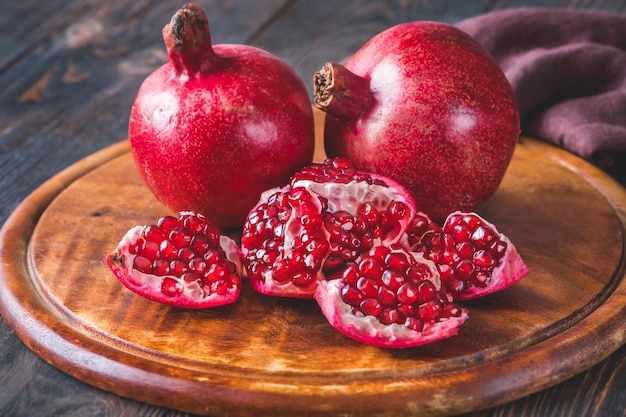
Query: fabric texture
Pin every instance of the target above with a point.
(568, 70)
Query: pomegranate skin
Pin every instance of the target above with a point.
(435, 113)
(217, 125)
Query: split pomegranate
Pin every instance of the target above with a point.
(323, 219)
(472, 257)
(422, 103)
(284, 243)
(218, 124)
(183, 262)
(390, 298)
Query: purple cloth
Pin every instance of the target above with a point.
(568, 70)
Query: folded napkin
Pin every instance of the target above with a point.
(568, 70)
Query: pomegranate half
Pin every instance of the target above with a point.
(218, 124)
(424, 104)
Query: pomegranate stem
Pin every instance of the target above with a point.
(188, 41)
(340, 92)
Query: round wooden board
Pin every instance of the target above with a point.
(267, 356)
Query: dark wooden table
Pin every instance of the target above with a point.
(69, 71)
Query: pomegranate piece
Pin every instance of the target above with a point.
(322, 220)
(217, 125)
(390, 298)
(472, 257)
(284, 243)
(182, 262)
(362, 209)
(425, 104)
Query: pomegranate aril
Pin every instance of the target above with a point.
(368, 287)
(180, 237)
(351, 296)
(161, 267)
(198, 265)
(407, 293)
(393, 279)
(200, 244)
(167, 223)
(397, 261)
(185, 254)
(429, 311)
(142, 264)
(171, 287)
(168, 250)
(426, 291)
(371, 307)
(386, 297)
(150, 250)
(154, 234)
(178, 268)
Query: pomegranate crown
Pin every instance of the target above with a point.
(188, 40)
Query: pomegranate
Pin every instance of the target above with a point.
(391, 298)
(323, 219)
(218, 124)
(183, 262)
(472, 257)
(425, 104)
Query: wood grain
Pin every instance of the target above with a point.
(272, 356)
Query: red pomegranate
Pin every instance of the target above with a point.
(218, 124)
(424, 104)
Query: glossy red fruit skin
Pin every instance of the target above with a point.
(428, 107)
(217, 125)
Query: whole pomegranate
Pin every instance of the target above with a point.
(425, 104)
(218, 124)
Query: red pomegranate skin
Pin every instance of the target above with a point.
(218, 124)
(441, 117)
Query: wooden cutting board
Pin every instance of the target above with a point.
(266, 356)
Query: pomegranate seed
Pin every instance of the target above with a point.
(214, 256)
(414, 323)
(483, 259)
(161, 267)
(200, 244)
(303, 279)
(153, 234)
(386, 297)
(464, 270)
(168, 250)
(429, 311)
(167, 223)
(171, 287)
(368, 287)
(390, 316)
(392, 279)
(185, 255)
(180, 237)
(142, 264)
(407, 293)
(426, 291)
(351, 296)
(397, 210)
(198, 265)
(397, 261)
(150, 250)
(371, 268)
(178, 267)
(368, 213)
(371, 307)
